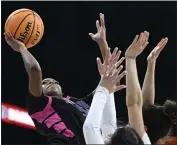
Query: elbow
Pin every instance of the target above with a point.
(134, 100)
(148, 102)
(89, 126)
(35, 68)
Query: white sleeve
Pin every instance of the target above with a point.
(108, 123)
(146, 139)
(91, 127)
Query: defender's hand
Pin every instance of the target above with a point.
(156, 51)
(101, 30)
(138, 45)
(110, 75)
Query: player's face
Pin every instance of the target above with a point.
(51, 87)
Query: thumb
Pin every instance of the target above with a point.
(154, 53)
(91, 35)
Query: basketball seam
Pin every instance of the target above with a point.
(14, 15)
(41, 27)
(32, 29)
(21, 23)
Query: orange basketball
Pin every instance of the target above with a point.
(25, 26)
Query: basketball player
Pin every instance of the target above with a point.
(163, 116)
(59, 119)
(165, 113)
(135, 134)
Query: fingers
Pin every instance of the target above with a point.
(112, 70)
(115, 52)
(100, 66)
(140, 38)
(119, 69)
(135, 39)
(115, 71)
(102, 20)
(119, 77)
(120, 61)
(145, 44)
(143, 39)
(147, 36)
(117, 56)
(160, 46)
(120, 87)
(97, 25)
(113, 57)
(9, 36)
(162, 43)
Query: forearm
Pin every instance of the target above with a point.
(108, 124)
(103, 45)
(91, 127)
(133, 90)
(148, 90)
(29, 61)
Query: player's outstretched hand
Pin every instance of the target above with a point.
(138, 45)
(156, 51)
(13, 43)
(101, 30)
(110, 74)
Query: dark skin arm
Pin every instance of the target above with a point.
(31, 65)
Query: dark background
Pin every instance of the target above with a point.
(68, 54)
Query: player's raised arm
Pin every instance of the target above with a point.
(32, 66)
(100, 36)
(148, 89)
(109, 120)
(134, 99)
(108, 84)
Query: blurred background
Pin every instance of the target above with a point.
(67, 54)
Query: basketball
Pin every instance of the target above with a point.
(25, 26)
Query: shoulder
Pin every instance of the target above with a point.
(37, 103)
(36, 99)
(74, 99)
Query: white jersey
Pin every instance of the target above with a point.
(146, 139)
(102, 116)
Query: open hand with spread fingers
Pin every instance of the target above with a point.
(156, 51)
(110, 74)
(138, 45)
(13, 43)
(111, 60)
(101, 30)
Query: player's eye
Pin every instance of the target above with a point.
(44, 83)
(57, 83)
